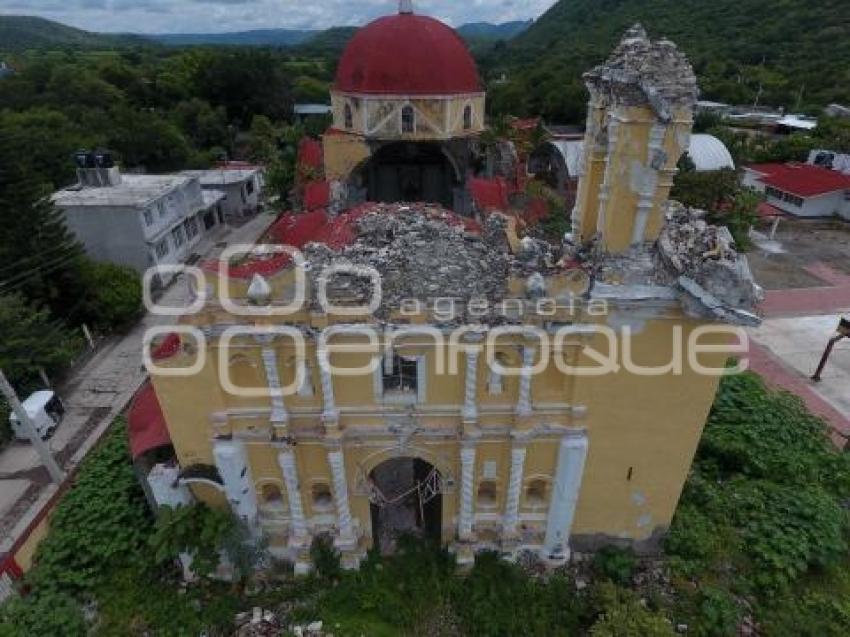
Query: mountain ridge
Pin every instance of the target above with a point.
(20, 32)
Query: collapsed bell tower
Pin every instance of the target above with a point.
(639, 123)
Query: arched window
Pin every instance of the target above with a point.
(349, 117)
(487, 494)
(496, 382)
(536, 492)
(408, 119)
(272, 495)
(322, 497)
(467, 117)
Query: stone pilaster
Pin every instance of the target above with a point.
(346, 539)
(511, 520)
(466, 518)
(470, 404)
(330, 415)
(232, 464)
(565, 494)
(289, 468)
(523, 408)
(280, 417)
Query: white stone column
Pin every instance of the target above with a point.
(330, 413)
(565, 493)
(270, 363)
(523, 407)
(467, 493)
(649, 183)
(470, 405)
(289, 468)
(232, 464)
(511, 520)
(343, 511)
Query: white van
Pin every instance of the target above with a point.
(45, 410)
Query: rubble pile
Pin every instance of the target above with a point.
(641, 71)
(703, 260)
(420, 254)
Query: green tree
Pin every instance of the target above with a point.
(147, 140)
(204, 125)
(38, 256)
(198, 531)
(246, 83)
(115, 295)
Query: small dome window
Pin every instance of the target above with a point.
(467, 117)
(408, 120)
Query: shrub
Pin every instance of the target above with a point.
(719, 613)
(43, 614)
(764, 503)
(101, 525)
(498, 598)
(616, 564)
(195, 530)
(115, 295)
(622, 615)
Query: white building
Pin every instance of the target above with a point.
(241, 184)
(138, 221)
(801, 190)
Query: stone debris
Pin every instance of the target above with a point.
(423, 253)
(418, 256)
(641, 71)
(703, 261)
(257, 622)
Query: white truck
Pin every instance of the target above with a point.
(45, 409)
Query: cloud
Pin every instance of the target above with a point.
(211, 16)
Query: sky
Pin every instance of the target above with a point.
(213, 16)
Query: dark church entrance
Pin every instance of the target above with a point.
(409, 171)
(406, 497)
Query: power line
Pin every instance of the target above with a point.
(34, 257)
(20, 280)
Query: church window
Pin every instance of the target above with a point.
(467, 117)
(349, 117)
(401, 376)
(408, 119)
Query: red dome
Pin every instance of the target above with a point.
(407, 54)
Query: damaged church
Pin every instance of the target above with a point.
(479, 399)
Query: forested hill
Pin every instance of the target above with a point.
(20, 33)
(259, 37)
(736, 46)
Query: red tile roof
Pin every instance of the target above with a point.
(490, 194)
(146, 424)
(407, 55)
(802, 180)
(317, 195)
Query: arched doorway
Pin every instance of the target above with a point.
(406, 498)
(410, 171)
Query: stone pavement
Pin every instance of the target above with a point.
(94, 395)
(788, 346)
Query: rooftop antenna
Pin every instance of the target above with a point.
(405, 7)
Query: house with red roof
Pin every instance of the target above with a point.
(801, 190)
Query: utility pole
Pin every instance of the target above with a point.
(841, 333)
(56, 474)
